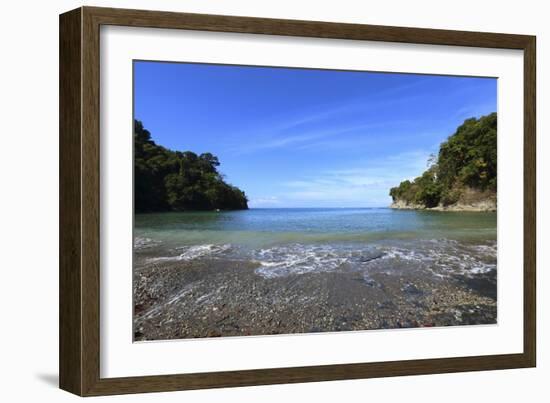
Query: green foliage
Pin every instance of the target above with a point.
(429, 189)
(470, 155)
(173, 180)
(451, 196)
(467, 159)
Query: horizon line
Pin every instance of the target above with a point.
(318, 207)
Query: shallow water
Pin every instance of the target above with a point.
(296, 241)
(258, 226)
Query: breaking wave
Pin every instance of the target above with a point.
(441, 257)
(187, 253)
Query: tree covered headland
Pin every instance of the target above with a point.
(166, 180)
(467, 160)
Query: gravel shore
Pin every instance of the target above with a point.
(223, 297)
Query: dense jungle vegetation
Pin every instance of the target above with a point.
(166, 180)
(468, 159)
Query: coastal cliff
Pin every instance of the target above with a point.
(470, 200)
(463, 175)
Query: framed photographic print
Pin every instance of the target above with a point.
(249, 201)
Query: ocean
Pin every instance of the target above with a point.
(283, 271)
(298, 240)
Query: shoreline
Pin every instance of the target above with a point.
(488, 206)
(215, 297)
(470, 200)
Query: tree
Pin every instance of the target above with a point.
(173, 180)
(468, 158)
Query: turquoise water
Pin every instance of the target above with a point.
(268, 226)
(294, 241)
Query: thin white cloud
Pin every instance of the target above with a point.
(274, 134)
(266, 201)
(305, 139)
(364, 184)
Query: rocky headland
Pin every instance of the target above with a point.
(461, 177)
(470, 200)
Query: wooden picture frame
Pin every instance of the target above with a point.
(79, 346)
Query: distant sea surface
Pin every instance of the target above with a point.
(290, 241)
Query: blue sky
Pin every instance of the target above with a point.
(307, 138)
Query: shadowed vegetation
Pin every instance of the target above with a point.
(166, 180)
